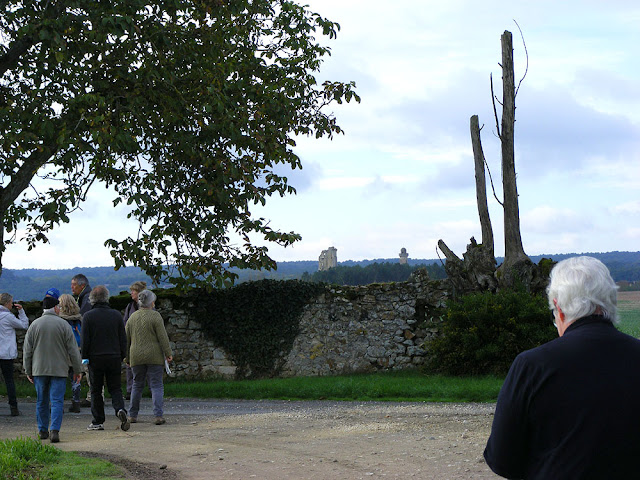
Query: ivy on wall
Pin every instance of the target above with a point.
(256, 323)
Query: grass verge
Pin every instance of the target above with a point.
(392, 386)
(27, 459)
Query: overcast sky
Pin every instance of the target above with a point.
(402, 175)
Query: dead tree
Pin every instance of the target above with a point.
(477, 270)
(513, 250)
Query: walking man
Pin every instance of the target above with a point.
(48, 346)
(104, 343)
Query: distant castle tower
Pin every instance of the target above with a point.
(403, 256)
(328, 259)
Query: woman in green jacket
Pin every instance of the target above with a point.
(147, 349)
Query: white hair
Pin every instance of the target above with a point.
(581, 286)
(146, 298)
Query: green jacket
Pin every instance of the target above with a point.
(147, 339)
(48, 346)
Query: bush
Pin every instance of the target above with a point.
(483, 332)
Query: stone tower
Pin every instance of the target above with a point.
(403, 256)
(328, 259)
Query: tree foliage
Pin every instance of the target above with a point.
(187, 109)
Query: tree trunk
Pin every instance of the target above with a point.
(514, 252)
(481, 186)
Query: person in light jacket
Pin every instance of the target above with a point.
(48, 346)
(147, 348)
(8, 345)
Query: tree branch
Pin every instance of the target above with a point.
(526, 55)
(493, 101)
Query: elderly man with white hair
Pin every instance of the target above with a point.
(569, 408)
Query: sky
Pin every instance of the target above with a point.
(402, 174)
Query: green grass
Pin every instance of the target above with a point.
(395, 386)
(392, 386)
(28, 459)
(629, 318)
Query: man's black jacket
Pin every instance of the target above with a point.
(570, 409)
(103, 332)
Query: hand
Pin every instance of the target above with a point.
(169, 358)
(77, 377)
(29, 378)
(18, 306)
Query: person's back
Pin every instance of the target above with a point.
(568, 409)
(103, 332)
(576, 406)
(47, 346)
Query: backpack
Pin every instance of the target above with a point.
(76, 326)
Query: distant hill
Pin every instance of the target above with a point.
(31, 283)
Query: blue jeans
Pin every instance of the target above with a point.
(7, 373)
(153, 374)
(50, 404)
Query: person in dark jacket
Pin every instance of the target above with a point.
(569, 408)
(81, 289)
(104, 344)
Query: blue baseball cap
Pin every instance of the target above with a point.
(53, 292)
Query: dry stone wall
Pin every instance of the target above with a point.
(344, 330)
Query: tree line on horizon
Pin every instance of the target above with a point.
(30, 284)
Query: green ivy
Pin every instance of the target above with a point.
(482, 333)
(256, 323)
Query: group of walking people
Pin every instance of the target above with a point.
(84, 334)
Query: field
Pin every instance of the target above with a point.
(629, 310)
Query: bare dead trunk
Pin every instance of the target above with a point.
(481, 185)
(514, 252)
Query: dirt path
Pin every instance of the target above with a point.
(284, 440)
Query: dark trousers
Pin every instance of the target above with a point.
(101, 369)
(7, 373)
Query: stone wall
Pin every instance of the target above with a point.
(367, 328)
(345, 330)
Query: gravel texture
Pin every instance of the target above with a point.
(282, 440)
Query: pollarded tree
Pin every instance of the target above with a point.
(478, 271)
(184, 107)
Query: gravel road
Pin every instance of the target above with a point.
(240, 439)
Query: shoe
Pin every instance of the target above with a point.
(55, 436)
(43, 435)
(85, 403)
(160, 421)
(133, 419)
(124, 421)
(14, 411)
(75, 407)
(95, 426)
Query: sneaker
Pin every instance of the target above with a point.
(75, 407)
(124, 421)
(133, 419)
(95, 426)
(43, 435)
(55, 436)
(160, 421)
(85, 403)
(14, 411)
